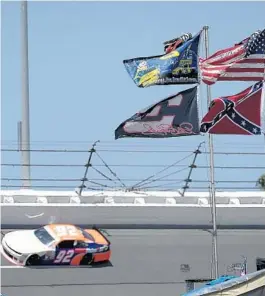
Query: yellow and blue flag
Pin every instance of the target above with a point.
(180, 66)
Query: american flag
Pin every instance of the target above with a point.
(243, 62)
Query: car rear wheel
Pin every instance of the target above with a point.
(87, 260)
(260, 262)
(33, 260)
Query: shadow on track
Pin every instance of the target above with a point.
(94, 265)
(93, 284)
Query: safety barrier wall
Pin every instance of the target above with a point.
(174, 216)
(130, 199)
(118, 197)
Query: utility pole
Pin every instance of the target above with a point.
(25, 125)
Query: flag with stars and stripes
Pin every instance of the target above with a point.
(243, 62)
(240, 114)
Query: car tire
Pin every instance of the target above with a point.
(87, 260)
(33, 260)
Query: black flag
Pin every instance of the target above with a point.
(174, 116)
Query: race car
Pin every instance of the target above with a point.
(56, 244)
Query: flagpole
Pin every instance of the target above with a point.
(263, 106)
(212, 183)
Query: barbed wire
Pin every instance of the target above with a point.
(115, 143)
(110, 170)
(48, 186)
(145, 183)
(208, 188)
(116, 188)
(161, 171)
(174, 185)
(132, 165)
(127, 151)
(123, 179)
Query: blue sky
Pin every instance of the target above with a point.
(80, 91)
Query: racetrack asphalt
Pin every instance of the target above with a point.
(144, 262)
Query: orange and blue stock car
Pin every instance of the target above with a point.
(56, 244)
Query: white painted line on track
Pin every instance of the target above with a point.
(11, 266)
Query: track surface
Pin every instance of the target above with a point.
(144, 262)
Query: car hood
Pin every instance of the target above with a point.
(24, 242)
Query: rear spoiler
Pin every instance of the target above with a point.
(99, 231)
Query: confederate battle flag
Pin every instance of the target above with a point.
(240, 114)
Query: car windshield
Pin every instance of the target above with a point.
(43, 236)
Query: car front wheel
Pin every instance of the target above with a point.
(33, 260)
